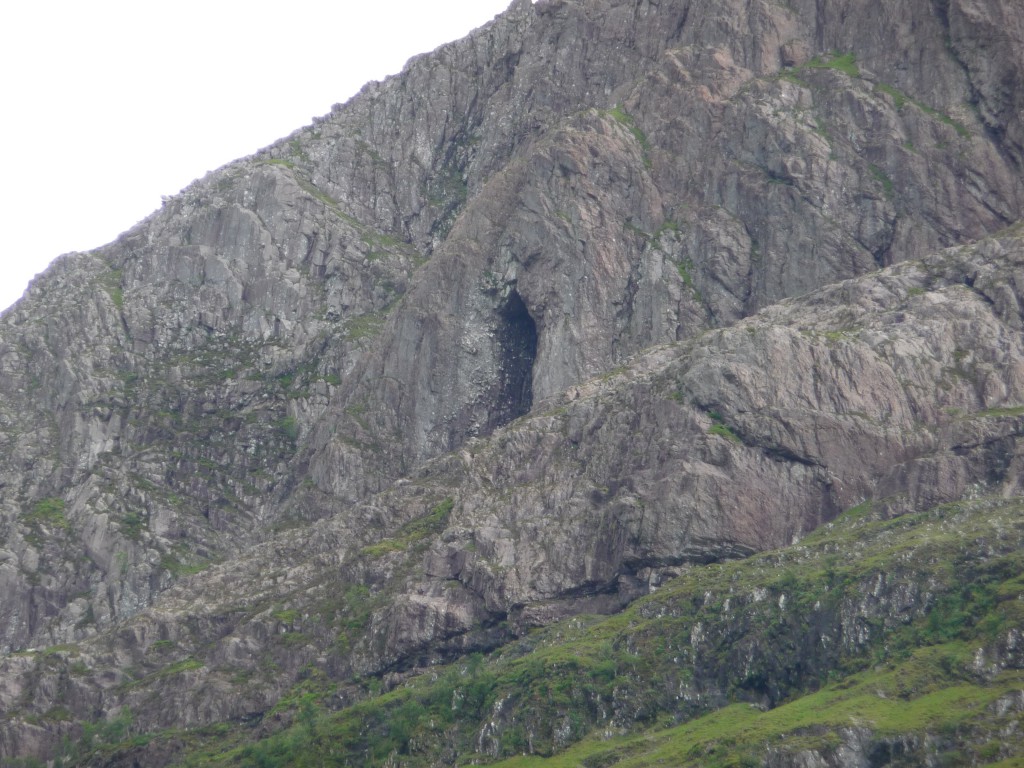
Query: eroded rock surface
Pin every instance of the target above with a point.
(882, 394)
(585, 298)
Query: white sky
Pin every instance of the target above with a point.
(109, 104)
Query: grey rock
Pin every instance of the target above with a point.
(604, 274)
(557, 514)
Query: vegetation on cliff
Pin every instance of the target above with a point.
(894, 639)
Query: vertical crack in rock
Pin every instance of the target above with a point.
(517, 350)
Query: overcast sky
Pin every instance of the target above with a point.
(109, 104)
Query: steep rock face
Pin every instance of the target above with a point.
(721, 182)
(588, 179)
(986, 37)
(550, 218)
(153, 407)
(556, 514)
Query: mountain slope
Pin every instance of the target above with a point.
(872, 640)
(509, 337)
(518, 530)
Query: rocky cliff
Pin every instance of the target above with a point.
(605, 292)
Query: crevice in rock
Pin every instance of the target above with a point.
(778, 452)
(517, 350)
(677, 34)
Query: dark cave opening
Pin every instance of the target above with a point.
(517, 351)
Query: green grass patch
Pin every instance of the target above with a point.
(316, 193)
(132, 525)
(177, 668)
(48, 512)
(414, 531)
(723, 431)
(720, 428)
(795, 631)
(737, 734)
(956, 125)
(45, 517)
(882, 178)
(624, 118)
(171, 563)
(668, 227)
(900, 99)
(285, 615)
(382, 246)
(845, 63)
(171, 670)
(365, 326)
(790, 76)
(111, 283)
(383, 548)
(289, 427)
(995, 413)
(836, 336)
(683, 268)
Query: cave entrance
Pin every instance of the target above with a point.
(517, 351)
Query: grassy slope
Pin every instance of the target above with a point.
(891, 631)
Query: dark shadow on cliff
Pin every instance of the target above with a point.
(517, 350)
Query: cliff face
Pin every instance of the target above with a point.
(577, 302)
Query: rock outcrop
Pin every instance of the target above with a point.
(606, 290)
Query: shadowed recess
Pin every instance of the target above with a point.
(517, 350)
